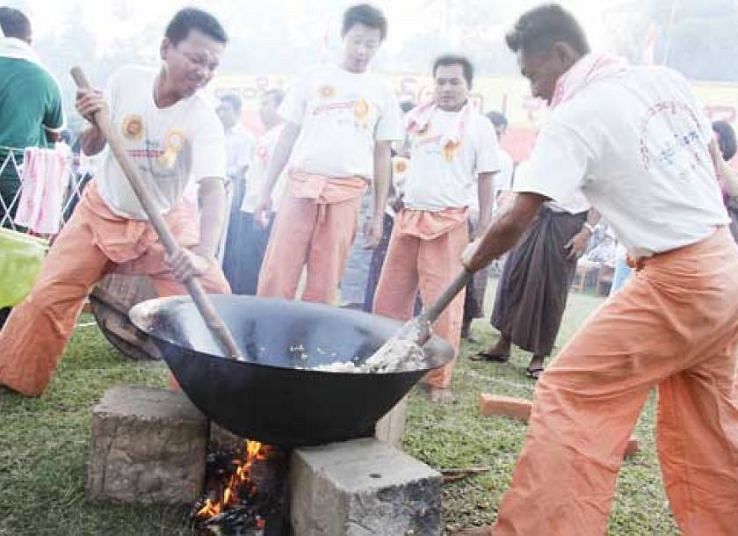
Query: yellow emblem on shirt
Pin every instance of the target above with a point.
(174, 141)
(133, 127)
(173, 144)
(450, 150)
(361, 111)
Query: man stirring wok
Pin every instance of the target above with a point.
(635, 142)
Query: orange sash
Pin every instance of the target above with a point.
(324, 190)
(124, 239)
(428, 225)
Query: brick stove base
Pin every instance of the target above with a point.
(149, 446)
(362, 487)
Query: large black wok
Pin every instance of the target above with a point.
(274, 397)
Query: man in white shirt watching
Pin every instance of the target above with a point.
(340, 121)
(453, 158)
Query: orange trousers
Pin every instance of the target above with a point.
(93, 243)
(310, 234)
(427, 265)
(673, 326)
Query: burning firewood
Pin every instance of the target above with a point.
(244, 491)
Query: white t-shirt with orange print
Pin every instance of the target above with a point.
(170, 147)
(439, 179)
(341, 115)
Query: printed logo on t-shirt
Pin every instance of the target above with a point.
(683, 149)
(432, 145)
(133, 127)
(327, 91)
(361, 111)
(450, 150)
(355, 113)
(174, 141)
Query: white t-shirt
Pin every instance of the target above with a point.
(436, 183)
(636, 146)
(504, 179)
(341, 115)
(257, 172)
(169, 146)
(239, 144)
(576, 203)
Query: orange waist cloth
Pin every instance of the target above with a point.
(638, 263)
(428, 225)
(325, 190)
(123, 239)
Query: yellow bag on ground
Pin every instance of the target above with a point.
(21, 256)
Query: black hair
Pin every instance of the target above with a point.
(498, 119)
(451, 59)
(14, 23)
(368, 16)
(189, 19)
(725, 138)
(406, 106)
(277, 95)
(539, 28)
(232, 99)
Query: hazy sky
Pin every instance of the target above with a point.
(110, 18)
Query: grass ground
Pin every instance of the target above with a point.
(44, 447)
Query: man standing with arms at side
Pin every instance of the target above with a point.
(340, 121)
(453, 158)
(635, 142)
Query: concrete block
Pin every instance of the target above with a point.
(391, 427)
(361, 488)
(148, 446)
(505, 406)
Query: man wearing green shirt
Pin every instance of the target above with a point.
(30, 109)
(30, 105)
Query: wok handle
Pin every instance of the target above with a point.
(458, 284)
(202, 301)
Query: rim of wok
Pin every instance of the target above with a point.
(144, 317)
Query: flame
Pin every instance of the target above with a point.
(253, 451)
(209, 510)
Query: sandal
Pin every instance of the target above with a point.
(488, 357)
(533, 373)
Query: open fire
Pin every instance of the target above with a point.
(245, 493)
